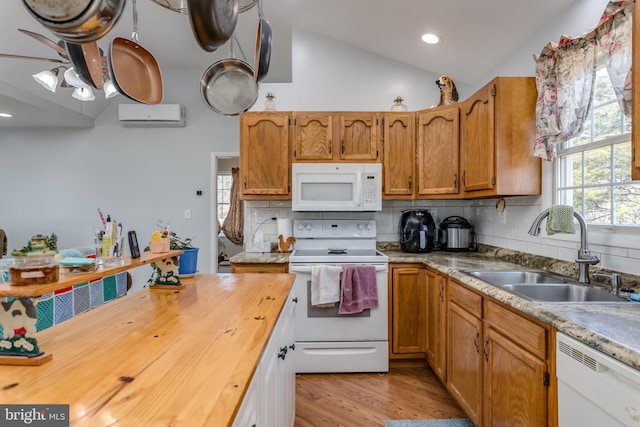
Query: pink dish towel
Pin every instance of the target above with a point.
(359, 289)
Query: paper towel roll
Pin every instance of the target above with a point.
(285, 227)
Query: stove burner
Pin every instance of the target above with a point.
(337, 251)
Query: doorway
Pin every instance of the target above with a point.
(221, 248)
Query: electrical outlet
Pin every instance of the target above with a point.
(187, 214)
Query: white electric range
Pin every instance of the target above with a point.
(325, 340)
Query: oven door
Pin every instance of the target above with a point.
(325, 324)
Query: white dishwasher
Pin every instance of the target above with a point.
(594, 389)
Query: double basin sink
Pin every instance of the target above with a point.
(544, 286)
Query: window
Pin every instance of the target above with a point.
(224, 195)
(593, 170)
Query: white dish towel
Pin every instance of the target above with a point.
(325, 284)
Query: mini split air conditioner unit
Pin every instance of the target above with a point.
(159, 115)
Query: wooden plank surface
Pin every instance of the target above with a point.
(182, 358)
(66, 280)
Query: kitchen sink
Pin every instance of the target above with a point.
(504, 277)
(544, 286)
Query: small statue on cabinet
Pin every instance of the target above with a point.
(448, 91)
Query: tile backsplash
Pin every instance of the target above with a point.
(618, 251)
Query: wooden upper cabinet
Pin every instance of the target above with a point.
(399, 156)
(498, 132)
(326, 136)
(359, 136)
(264, 156)
(635, 96)
(438, 145)
(312, 136)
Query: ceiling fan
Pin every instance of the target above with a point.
(49, 78)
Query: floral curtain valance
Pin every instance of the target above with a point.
(565, 75)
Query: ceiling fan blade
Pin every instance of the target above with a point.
(34, 58)
(42, 39)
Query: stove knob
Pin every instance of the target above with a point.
(308, 227)
(360, 226)
(367, 226)
(300, 227)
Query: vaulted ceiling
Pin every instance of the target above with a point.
(475, 36)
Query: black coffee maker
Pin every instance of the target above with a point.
(416, 231)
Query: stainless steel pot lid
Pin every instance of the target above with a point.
(228, 86)
(179, 6)
(455, 222)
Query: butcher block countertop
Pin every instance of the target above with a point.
(157, 357)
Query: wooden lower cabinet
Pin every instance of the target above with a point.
(464, 370)
(498, 361)
(407, 311)
(240, 268)
(436, 345)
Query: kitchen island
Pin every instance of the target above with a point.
(157, 357)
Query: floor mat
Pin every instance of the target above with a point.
(455, 422)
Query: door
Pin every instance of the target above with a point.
(464, 371)
(438, 151)
(264, 155)
(409, 310)
(516, 384)
(478, 140)
(312, 136)
(399, 159)
(358, 136)
(436, 323)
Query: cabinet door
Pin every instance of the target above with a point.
(436, 345)
(464, 371)
(515, 384)
(264, 155)
(312, 136)
(409, 310)
(478, 140)
(358, 136)
(438, 151)
(399, 159)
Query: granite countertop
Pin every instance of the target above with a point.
(609, 328)
(613, 329)
(260, 258)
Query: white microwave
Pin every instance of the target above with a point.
(336, 187)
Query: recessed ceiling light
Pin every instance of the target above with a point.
(430, 38)
(7, 115)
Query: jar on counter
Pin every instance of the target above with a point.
(34, 269)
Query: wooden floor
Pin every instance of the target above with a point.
(367, 400)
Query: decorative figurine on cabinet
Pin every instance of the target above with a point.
(448, 91)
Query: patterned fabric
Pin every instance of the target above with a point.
(565, 75)
(560, 220)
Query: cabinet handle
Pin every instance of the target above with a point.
(329, 146)
(441, 293)
(295, 300)
(464, 181)
(455, 180)
(410, 183)
(485, 349)
(293, 346)
(476, 343)
(282, 353)
(342, 145)
(245, 182)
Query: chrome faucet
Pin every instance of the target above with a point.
(585, 257)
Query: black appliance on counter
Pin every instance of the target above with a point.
(456, 235)
(416, 231)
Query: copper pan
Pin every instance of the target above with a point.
(87, 62)
(133, 69)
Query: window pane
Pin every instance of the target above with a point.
(607, 121)
(585, 136)
(578, 201)
(598, 205)
(603, 90)
(622, 162)
(627, 200)
(597, 166)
